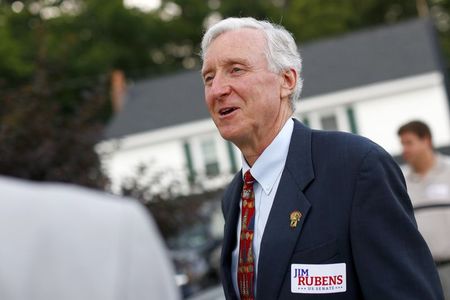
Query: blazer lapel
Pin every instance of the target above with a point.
(231, 210)
(279, 238)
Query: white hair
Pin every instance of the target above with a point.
(281, 52)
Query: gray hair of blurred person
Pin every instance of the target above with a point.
(281, 52)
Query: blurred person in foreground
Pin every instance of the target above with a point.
(312, 214)
(61, 242)
(428, 182)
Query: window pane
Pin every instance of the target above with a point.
(210, 157)
(329, 123)
(212, 169)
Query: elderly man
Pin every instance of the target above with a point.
(312, 215)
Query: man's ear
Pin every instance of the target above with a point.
(429, 142)
(289, 81)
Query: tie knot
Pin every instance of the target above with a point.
(248, 178)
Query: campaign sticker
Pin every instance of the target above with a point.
(318, 279)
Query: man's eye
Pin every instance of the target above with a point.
(236, 69)
(208, 78)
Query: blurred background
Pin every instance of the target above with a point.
(108, 95)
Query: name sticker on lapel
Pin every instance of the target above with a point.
(318, 279)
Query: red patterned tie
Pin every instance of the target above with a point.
(246, 264)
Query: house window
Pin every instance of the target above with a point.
(329, 122)
(340, 118)
(210, 157)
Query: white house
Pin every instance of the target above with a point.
(368, 82)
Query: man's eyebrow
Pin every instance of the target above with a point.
(237, 60)
(205, 71)
(228, 62)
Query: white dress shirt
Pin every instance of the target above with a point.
(432, 189)
(267, 171)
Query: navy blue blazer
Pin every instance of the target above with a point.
(355, 210)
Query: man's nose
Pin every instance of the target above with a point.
(220, 87)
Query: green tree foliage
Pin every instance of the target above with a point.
(57, 57)
(155, 191)
(40, 142)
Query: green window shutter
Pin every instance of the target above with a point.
(232, 157)
(305, 121)
(190, 165)
(352, 120)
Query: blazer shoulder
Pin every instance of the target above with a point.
(351, 151)
(331, 142)
(337, 143)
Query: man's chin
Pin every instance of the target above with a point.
(228, 134)
(407, 159)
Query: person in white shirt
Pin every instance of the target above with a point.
(62, 242)
(428, 183)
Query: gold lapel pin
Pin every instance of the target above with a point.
(295, 218)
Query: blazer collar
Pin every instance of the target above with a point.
(299, 161)
(231, 209)
(279, 238)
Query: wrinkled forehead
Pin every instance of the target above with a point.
(413, 136)
(211, 35)
(242, 41)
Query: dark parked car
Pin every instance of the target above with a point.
(194, 253)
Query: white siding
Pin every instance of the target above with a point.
(379, 119)
(164, 156)
(164, 150)
(381, 108)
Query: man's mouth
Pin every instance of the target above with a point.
(227, 111)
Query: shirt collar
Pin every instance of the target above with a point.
(438, 166)
(270, 163)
